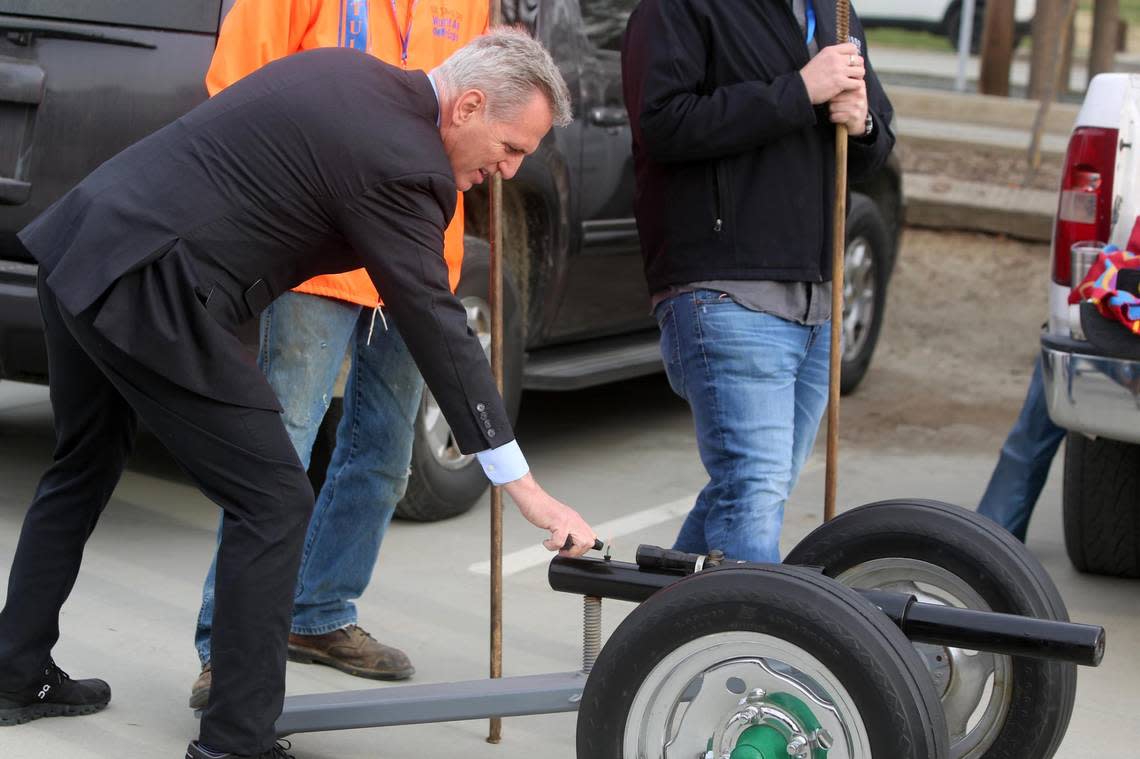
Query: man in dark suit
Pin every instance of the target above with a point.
(148, 266)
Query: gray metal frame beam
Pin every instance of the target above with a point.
(434, 702)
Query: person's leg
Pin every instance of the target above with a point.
(95, 430)
(740, 375)
(303, 343)
(1024, 462)
(812, 387)
(674, 315)
(243, 460)
(367, 477)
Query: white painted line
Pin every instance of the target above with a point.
(537, 555)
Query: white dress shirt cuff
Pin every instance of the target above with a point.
(503, 464)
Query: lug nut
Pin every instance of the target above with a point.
(755, 696)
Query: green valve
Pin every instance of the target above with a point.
(760, 742)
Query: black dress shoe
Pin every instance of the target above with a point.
(53, 694)
(194, 751)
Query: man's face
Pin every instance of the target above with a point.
(478, 147)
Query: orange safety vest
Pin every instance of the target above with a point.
(414, 34)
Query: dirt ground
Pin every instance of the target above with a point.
(961, 333)
(979, 164)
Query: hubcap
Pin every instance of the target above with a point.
(975, 687)
(858, 296)
(757, 696)
(433, 427)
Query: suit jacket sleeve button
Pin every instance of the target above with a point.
(480, 407)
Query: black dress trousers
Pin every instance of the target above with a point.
(241, 458)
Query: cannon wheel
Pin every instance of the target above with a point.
(997, 707)
(761, 662)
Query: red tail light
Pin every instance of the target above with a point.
(1084, 211)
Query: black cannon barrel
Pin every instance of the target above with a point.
(922, 623)
(606, 579)
(991, 631)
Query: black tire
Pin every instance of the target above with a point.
(865, 288)
(440, 488)
(1101, 504)
(963, 547)
(953, 23)
(852, 643)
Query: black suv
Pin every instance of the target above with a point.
(82, 79)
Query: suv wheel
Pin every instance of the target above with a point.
(864, 289)
(1101, 505)
(446, 482)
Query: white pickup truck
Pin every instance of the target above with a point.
(1094, 392)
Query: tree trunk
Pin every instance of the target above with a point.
(1046, 30)
(1105, 35)
(997, 48)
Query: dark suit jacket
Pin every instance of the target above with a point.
(321, 162)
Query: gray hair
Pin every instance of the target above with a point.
(508, 66)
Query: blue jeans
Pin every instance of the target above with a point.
(303, 343)
(1024, 462)
(757, 386)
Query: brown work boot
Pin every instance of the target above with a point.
(200, 690)
(352, 650)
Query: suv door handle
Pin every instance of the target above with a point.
(21, 84)
(609, 116)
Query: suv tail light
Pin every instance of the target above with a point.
(1084, 211)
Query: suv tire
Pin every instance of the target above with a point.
(445, 484)
(1101, 505)
(866, 272)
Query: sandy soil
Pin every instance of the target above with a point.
(963, 317)
(979, 164)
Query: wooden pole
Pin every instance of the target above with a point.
(838, 249)
(495, 293)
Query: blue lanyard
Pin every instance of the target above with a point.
(355, 32)
(406, 35)
(810, 12)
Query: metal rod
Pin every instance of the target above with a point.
(965, 41)
(495, 730)
(838, 248)
(924, 623)
(432, 702)
(495, 292)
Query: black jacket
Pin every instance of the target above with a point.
(321, 162)
(735, 167)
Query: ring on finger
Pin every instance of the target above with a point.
(851, 60)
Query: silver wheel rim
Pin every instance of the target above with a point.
(858, 296)
(975, 687)
(433, 427)
(690, 693)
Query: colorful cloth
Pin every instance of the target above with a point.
(1099, 288)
